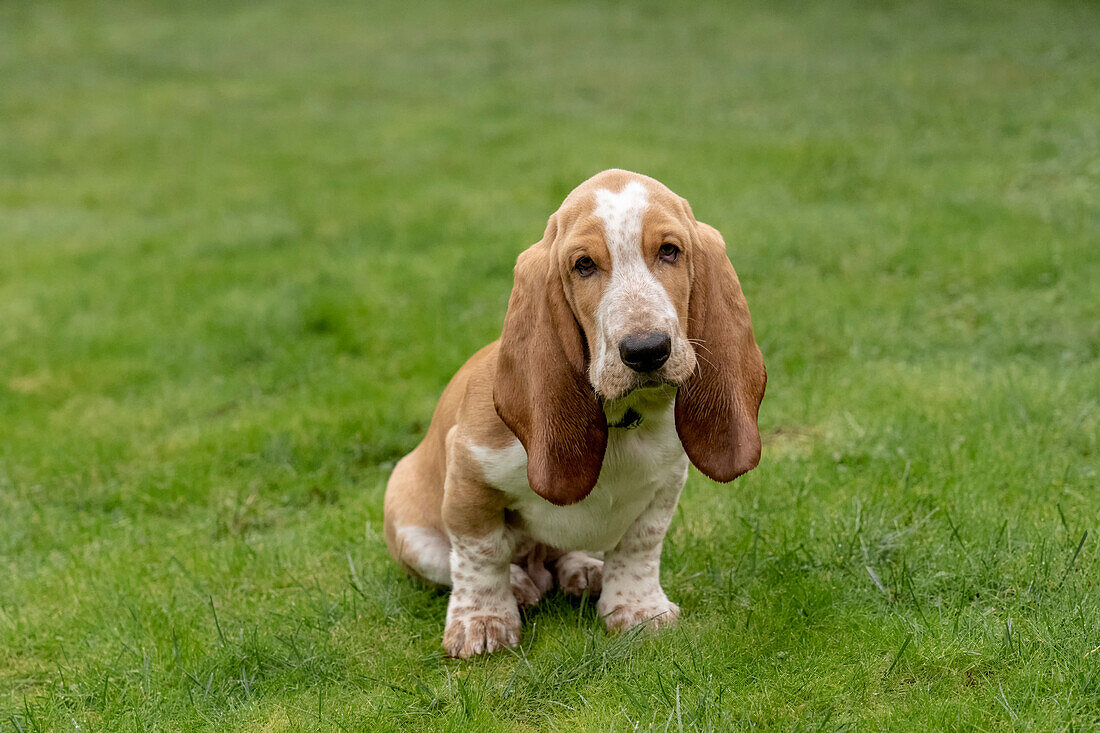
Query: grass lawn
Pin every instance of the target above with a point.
(244, 246)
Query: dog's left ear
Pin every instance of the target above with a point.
(716, 408)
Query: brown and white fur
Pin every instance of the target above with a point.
(626, 305)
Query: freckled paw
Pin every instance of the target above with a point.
(577, 572)
(523, 588)
(653, 615)
(478, 633)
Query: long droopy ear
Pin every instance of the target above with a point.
(541, 390)
(716, 408)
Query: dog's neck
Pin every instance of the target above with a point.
(638, 407)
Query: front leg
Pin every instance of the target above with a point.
(482, 615)
(632, 592)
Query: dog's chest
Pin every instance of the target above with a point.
(636, 464)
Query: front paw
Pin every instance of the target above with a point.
(653, 613)
(473, 631)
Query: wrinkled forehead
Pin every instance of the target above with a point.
(620, 203)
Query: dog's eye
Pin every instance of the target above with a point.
(585, 267)
(668, 252)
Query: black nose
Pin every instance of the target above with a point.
(645, 353)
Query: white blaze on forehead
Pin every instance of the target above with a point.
(622, 214)
(633, 300)
(633, 295)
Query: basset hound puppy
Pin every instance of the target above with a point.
(558, 453)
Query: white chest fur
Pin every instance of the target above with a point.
(636, 464)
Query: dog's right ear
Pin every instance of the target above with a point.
(541, 390)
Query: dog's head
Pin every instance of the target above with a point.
(626, 291)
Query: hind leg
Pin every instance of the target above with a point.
(418, 542)
(577, 572)
(530, 578)
(425, 553)
(414, 527)
(525, 590)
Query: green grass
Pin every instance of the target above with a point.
(244, 246)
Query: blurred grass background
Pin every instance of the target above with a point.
(243, 247)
